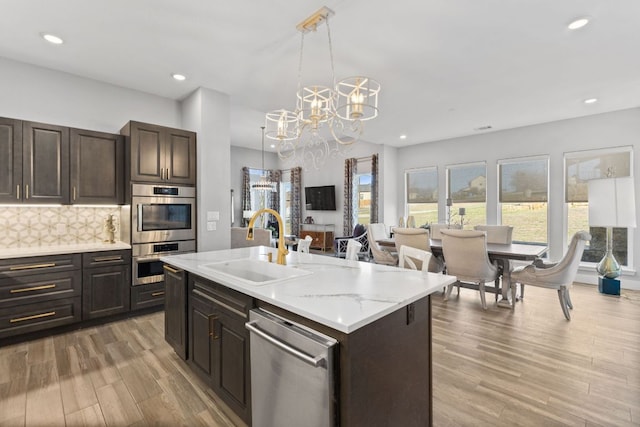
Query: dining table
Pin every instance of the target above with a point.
(503, 254)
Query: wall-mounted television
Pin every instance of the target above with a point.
(320, 198)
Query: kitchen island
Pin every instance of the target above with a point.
(379, 315)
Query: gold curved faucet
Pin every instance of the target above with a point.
(282, 249)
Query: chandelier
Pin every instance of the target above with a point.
(264, 184)
(326, 119)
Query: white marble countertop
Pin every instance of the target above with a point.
(6, 253)
(343, 295)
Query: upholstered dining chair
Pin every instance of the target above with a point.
(417, 238)
(465, 253)
(559, 276)
(435, 229)
(353, 249)
(305, 244)
(500, 234)
(375, 232)
(410, 257)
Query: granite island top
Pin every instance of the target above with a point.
(343, 295)
(7, 253)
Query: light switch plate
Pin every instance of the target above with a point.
(213, 216)
(211, 226)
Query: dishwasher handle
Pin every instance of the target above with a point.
(318, 361)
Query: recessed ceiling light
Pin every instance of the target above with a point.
(52, 39)
(178, 77)
(273, 145)
(578, 23)
(403, 136)
(590, 101)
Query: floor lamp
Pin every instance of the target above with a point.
(611, 204)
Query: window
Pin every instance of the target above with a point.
(467, 191)
(421, 196)
(579, 168)
(285, 202)
(523, 197)
(362, 182)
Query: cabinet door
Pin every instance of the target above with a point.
(201, 319)
(97, 167)
(46, 163)
(231, 364)
(147, 152)
(105, 291)
(180, 157)
(10, 160)
(175, 326)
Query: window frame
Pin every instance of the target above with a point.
(499, 202)
(407, 172)
(452, 213)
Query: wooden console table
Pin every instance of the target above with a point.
(322, 235)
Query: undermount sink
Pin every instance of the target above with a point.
(256, 272)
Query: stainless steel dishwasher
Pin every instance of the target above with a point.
(292, 381)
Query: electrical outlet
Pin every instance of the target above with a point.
(213, 216)
(211, 226)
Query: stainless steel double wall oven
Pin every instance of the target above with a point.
(163, 221)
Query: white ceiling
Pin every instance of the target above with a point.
(446, 67)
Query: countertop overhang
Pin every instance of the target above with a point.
(343, 295)
(8, 253)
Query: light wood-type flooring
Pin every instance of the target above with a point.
(529, 367)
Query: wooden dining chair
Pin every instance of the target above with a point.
(465, 254)
(417, 238)
(353, 249)
(409, 257)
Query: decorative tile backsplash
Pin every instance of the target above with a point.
(32, 226)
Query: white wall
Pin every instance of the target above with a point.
(332, 173)
(619, 128)
(207, 112)
(44, 95)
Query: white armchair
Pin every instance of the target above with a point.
(465, 253)
(559, 276)
(497, 233)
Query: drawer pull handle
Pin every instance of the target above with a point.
(32, 266)
(107, 258)
(18, 192)
(35, 316)
(173, 270)
(157, 294)
(212, 326)
(34, 288)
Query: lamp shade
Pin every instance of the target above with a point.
(612, 202)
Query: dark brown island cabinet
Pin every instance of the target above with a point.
(383, 375)
(160, 154)
(175, 309)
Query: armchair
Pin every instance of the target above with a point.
(559, 276)
(359, 235)
(375, 232)
(417, 238)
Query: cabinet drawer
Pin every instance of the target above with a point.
(226, 299)
(143, 296)
(16, 267)
(43, 315)
(104, 258)
(39, 287)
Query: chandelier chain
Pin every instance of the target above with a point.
(333, 71)
(300, 62)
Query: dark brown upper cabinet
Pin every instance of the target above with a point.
(10, 160)
(159, 154)
(45, 163)
(97, 167)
